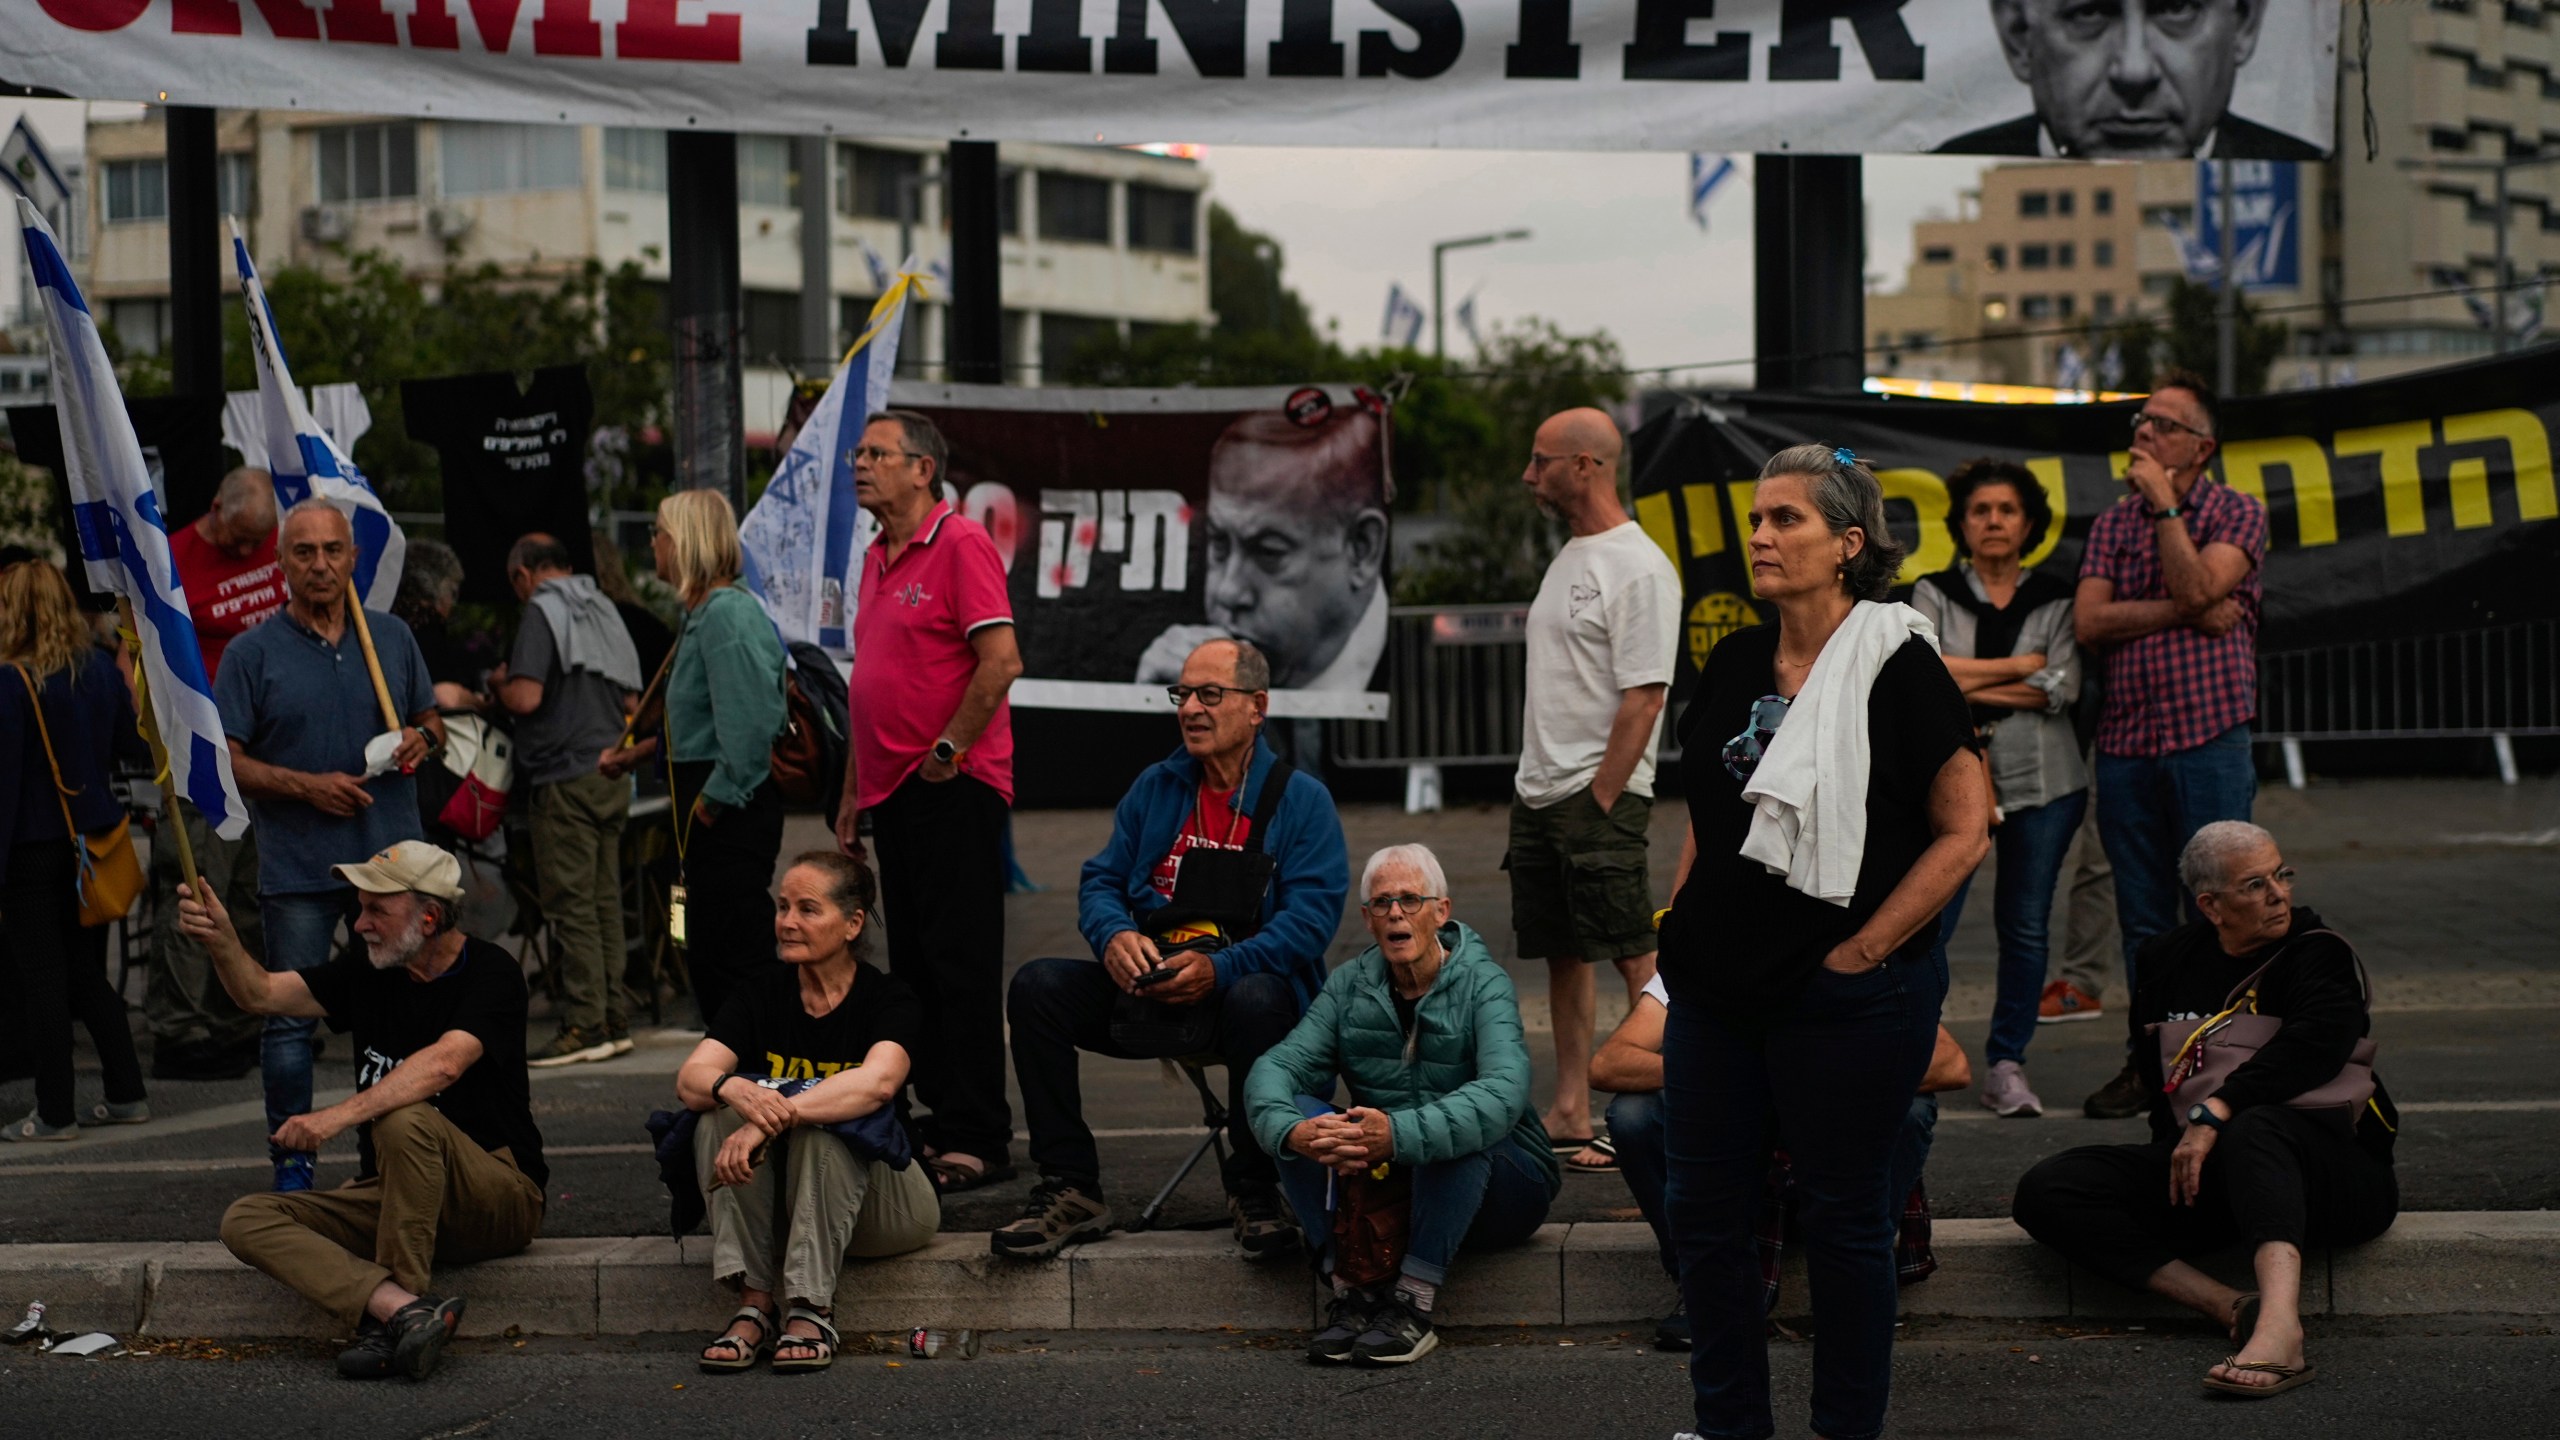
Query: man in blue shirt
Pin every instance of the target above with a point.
(1208, 796)
(298, 706)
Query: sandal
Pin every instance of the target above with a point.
(1567, 1144)
(2244, 1318)
(814, 1352)
(2287, 1378)
(951, 1177)
(742, 1354)
(1607, 1164)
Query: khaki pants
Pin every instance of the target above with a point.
(439, 1199)
(832, 1206)
(577, 863)
(182, 998)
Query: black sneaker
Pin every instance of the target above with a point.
(2119, 1099)
(1398, 1334)
(419, 1331)
(1263, 1227)
(370, 1358)
(1346, 1319)
(1057, 1216)
(1673, 1332)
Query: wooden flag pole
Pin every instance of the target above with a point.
(159, 752)
(372, 662)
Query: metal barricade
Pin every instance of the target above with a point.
(1458, 679)
(2494, 683)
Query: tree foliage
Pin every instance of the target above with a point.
(2189, 337)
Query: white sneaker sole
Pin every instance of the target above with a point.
(2068, 1017)
(1429, 1342)
(601, 1051)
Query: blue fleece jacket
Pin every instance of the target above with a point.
(1312, 874)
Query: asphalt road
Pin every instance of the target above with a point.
(1961, 1379)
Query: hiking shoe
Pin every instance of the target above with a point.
(2006, 1093)
(1398, 1334)
(2063, 1002)
(33, 1128)
(1263, 1228)
(1057, 1216)
(2119, 1099)
(1673, 1332)
(370, 1358)
(293, 1172)
(1346, 1319)
(572, 1046)
(419, 1331)
(130, 1112)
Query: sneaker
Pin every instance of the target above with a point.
(1398, 1334)
(1058, 1216)
(419, 1331)
(1263, 1228)
(2119, 1099)
(293, 1172)
(1346, 1319)
(1673, 1332)
(371, 1357)
(131, 1112)
(33, 1128)
(617, 1033)
(572, 1046)
(2064, 1002)
(2006, 1094)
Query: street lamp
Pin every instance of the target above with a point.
(1439, 336)
(2498, 279)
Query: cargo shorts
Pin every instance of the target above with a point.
(1579, 882)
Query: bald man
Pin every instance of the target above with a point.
(1297, 551)
(1603, 635)
(226, 561)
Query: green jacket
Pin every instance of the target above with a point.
(1466, 1086)
(724, 697)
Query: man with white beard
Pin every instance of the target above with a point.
(449, 1161)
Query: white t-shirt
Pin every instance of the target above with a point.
(1606, 620)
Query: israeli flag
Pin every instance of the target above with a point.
(1706, 172)
(1467, 321)
(1403, 323)
(805, 538)
(124, 539)
(303, 459)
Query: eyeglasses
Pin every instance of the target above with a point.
(1540, 462)
(1209, 695)
(878, 456)
(2163, 422)
(2255, 887)
(1386, 905)
(1742, 753)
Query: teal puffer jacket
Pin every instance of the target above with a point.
(1465, 1087)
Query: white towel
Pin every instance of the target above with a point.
(1809, 793)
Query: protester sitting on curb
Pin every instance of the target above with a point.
(450, 1163)
(814, 1055)
(1424, 1029)
(1223, 837)
(2244, 1159)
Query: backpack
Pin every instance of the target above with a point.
(808, 755)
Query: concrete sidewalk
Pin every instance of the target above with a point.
(2431, 1263)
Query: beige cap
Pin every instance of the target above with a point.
(409, 865)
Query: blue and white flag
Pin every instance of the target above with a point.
(1467, 321)
(1706, 172)
(302, 458)
(1402, 326)
(804, 540)
(124, 539)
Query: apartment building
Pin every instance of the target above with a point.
(1094, 238)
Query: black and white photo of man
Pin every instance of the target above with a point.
(2130, 79)
(1297, 551)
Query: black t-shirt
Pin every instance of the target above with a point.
(1739, 938)
(513, 462)
(775, 1038)
(395, 1017)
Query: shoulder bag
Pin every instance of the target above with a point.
(1223, 888)
(110, 874)
(2197, 1057)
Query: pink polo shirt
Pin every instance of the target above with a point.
(912, 660)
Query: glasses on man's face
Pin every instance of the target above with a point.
(873, 454)
(2256, 886)
(1383, 906)
(1541, 462)
(1742, 753)
(2163, 422)
(1209, 695)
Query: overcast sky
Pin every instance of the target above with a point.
(1611, 243)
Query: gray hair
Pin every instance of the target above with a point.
(922, 436)
(538, 552)
(314, 505)
(1417, 856)
(446, 913)
(1252, 667)
(241, 493)
(1848, 497)
(430, 578)
(2206, 862)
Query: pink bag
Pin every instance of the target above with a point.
(2196, 1057)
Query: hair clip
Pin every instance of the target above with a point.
(1845, 455)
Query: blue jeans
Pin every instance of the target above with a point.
(1484, 1201)
(300, 931)
(2032, 844)
(2152, 806)
(1838, 1067)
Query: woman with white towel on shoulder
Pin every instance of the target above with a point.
(1835, 804)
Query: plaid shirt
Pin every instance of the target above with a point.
(1914, 1258)
(2177, 688)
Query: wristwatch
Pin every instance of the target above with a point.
(944, 752)
(2171, 512)
(2201, 1114)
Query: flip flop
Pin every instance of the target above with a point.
(2244, 1318)
(1567, 1144)
(1606, 1165)
(2287, 1378)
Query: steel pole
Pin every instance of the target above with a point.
(195, 253)
(702, 286)
(974, 324)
